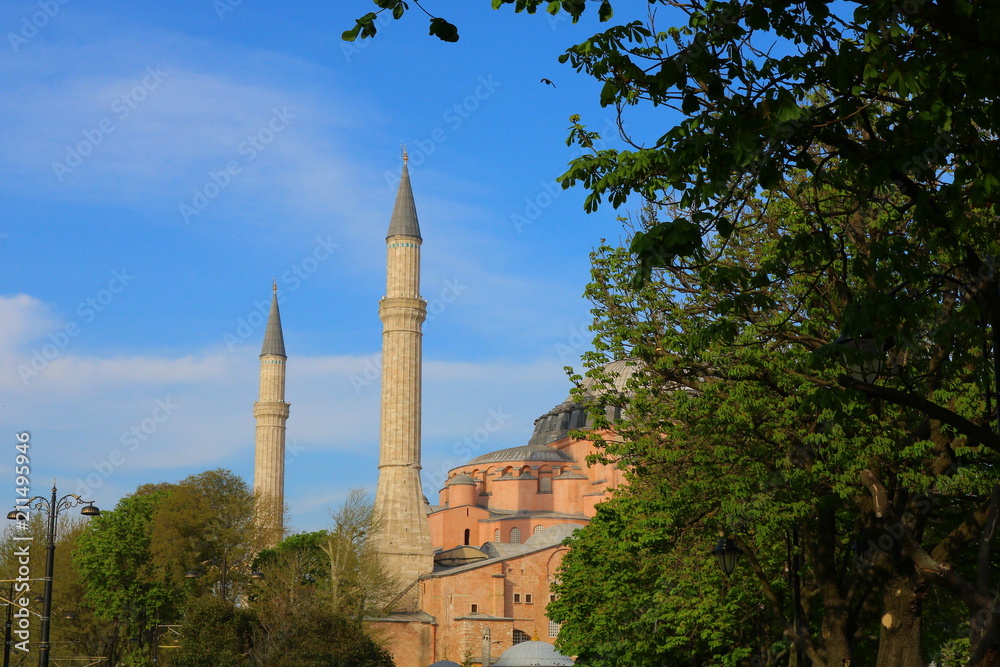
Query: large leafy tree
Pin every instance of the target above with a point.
(851, 496)
(114, 559)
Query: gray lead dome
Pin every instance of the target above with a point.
(523, 453)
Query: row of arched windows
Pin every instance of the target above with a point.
(515, 534)
(544, 475)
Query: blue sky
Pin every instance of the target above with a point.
(162, 162)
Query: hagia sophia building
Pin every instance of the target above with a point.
(477, 567)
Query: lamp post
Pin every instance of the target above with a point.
(53, 507)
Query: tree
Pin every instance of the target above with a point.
(850, 497)
(215, 634)
(359, 585)
(317, 590)
(207, 524)
(121, 580)
(322, 637)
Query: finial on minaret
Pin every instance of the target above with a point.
(406, 156)
(274, 285)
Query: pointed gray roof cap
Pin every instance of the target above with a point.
(274, 342)
(404, 213)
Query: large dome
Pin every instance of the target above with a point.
(571, 415)
(523, 453)
(532, 654)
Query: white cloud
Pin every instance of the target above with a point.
(120, 422)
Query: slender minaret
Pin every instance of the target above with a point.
(404, 540)
(271, 411)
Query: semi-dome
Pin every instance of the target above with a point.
(523, 453)
(531, 654)
(461, 478)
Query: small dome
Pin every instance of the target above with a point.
(529, 654)
(461, 478)
(523, 453)
(444, 663)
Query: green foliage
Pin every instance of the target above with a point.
(741, 421)
(115, 562)
(206, 523)
(321, 637)
(215, 634)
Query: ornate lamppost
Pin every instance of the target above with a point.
(53, 507)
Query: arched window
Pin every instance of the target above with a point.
(534, 531)
(545, 479)
(520, 636)
(515, 535)
(496, 535)
(468, 533)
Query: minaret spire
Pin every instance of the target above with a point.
(271, 413)
(404, 541)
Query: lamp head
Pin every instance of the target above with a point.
(862, 355)
(727, 553)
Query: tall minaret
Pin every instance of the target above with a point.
(404, 541)
(271, 411)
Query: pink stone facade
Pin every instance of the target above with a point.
(504, 596)
(521, 496)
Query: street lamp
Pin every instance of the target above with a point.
(727, 553)
(53, 507)
(862, 355)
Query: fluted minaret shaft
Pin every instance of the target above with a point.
(404, 541)
(271, 412)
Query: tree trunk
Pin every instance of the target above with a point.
(836, 639)
(899, 639)
(991, 659)
(985, 642)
